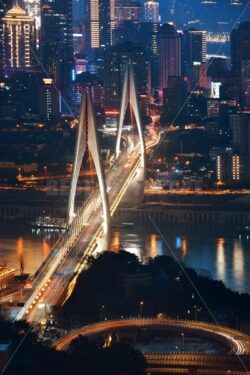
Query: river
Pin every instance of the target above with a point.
(217, 253)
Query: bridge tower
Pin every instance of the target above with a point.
(129, 97)
(87, 137)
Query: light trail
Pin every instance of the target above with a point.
(69, 255)
(238, 341)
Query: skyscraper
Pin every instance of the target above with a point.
(33, 8)
(18, 39)
(169, 54)
(194, 54)
(245, 84)
(115, 63)
(5, 5)
(152, 11)
(57, 40)
(194, 46)
(129, 11)
(240, 46)
(99, 22)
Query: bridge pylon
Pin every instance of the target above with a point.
(87, 137)
(130, 97)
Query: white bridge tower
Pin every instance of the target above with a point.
(87, 137)
(129, 97)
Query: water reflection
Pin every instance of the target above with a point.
(184, 247)
(20, 246)
(153, 247)
(27, 247)
(116, 242)
(223, 258)
(238, 263)
(220, 261)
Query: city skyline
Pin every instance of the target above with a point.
(124, 187)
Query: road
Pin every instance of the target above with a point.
(239, 342)
(69, 255)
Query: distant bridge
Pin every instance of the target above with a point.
(235, 362)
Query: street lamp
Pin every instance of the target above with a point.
(183, 341)
(45, 170)
(101, 311)
(195, 312)
(141, 304)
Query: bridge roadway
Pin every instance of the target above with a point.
(239, 342)
(70, 253)
(236, 362)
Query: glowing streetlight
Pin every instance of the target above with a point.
(141, 305)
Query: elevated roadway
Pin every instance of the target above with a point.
(69, 255)
(236, 362)
(238, 341)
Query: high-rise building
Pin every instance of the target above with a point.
(194, 51)
(127, 31)
(33, 8)
(240, 126)
(169, 54)
(115, 63)
(57, 40)
(245, 84)
(194, 46)
(240, 46)
(147, 37)
(18, 40)
(5, 5)
(151, 9)
(48, 100)
(173, 98)
(99, 23)
(128, 11)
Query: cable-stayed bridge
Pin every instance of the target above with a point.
(90, 226)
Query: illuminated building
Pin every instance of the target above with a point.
(100, 22)
(233, 170)
(213, 108)
(48, 100)
(240, 46)
(6, 276)
(151, 9)
(33, 8)
(195, 46)
(19, 39)
(240, 126)
(194, 54)
(57, 40)
(245, 84)
(88, 82)
(129, 11)
(169, 54)
(114, 67)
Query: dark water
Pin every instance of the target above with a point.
(215, 252)
(222, 256)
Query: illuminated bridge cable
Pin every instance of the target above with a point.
(200, 79)
(192, 284)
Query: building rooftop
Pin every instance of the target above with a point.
(4, 271)
(16, 10)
